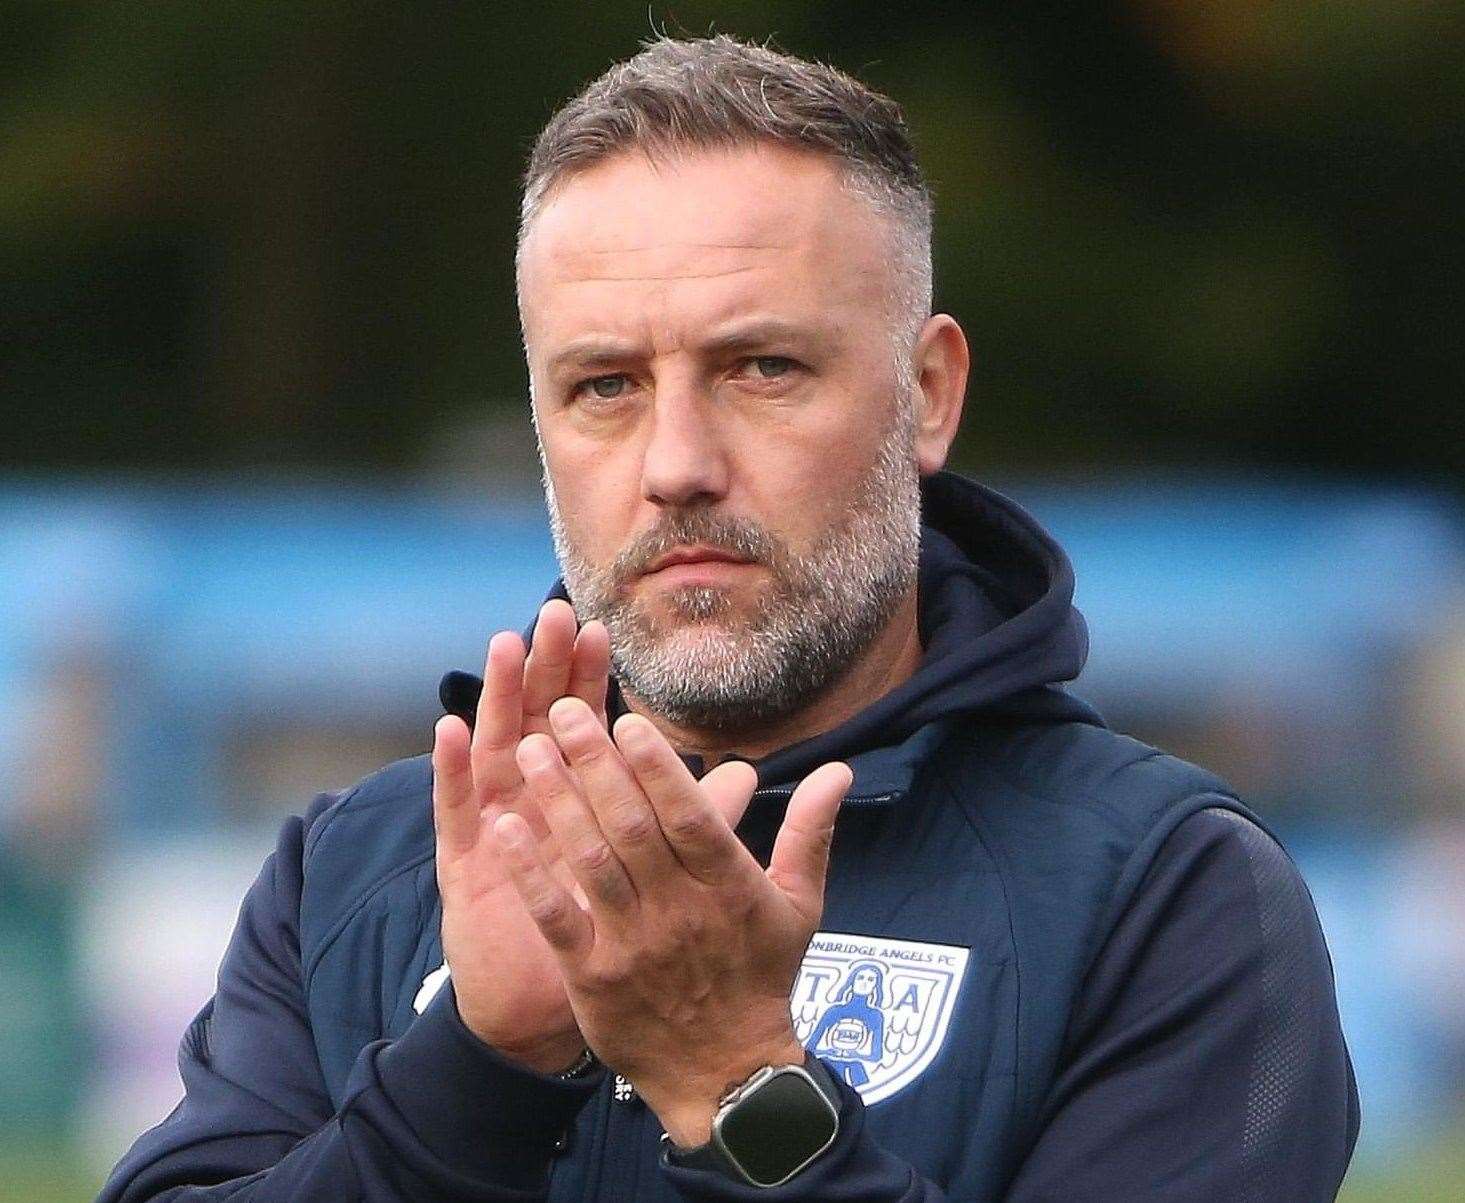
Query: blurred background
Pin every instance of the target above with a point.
(265, 469)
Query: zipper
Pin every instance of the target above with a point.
(785, 793)
(622, 1152)
(599, 1144)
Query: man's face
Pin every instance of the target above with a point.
(725, 430)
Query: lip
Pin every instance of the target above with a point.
(693, 555)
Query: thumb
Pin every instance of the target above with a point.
(729, 787)
(801, 850)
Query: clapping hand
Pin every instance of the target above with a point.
(677, 951)
(507, 979)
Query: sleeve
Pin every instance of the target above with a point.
(436, 1115)
(1205, 1057)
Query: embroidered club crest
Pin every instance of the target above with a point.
(876, 1010)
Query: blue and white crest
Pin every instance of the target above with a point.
(876, 1010)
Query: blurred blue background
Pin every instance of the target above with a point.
(266, 472)
(182, 665)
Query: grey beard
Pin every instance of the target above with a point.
(708, 670)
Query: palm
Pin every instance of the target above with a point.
(488, 935)
(490, 941)
(508, 984)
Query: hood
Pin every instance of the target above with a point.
(997, 623)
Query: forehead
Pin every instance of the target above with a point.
(698, 237)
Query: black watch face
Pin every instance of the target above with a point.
(779, 1129)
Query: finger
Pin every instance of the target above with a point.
(608, 785)
(547, 671)
(729, 787)
(591, 859)
(500, 720)
(560, 919)
(590, 667)
(454, 803)
(800, 859)
(692, 826)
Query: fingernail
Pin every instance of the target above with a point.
(534, 751)
(632, 733)
(509, 832)
(567, 714)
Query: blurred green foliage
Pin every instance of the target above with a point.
(55, 1175)
(46, 1051)
(254, 231)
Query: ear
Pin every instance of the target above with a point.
(941, 362)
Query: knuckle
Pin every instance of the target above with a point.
(819, 843)
(599, 868)
(493, 742)
(585, 748)
(550, 911)
(650, 766)
(688, 927)
(544, 681)
(615, 890)
(690, 824)
(632, 826)
(658, 962)
(494, 773)
(604, 977)
(733, 897)
(593, 859)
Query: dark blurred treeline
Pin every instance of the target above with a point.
(1177, 231)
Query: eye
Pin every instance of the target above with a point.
(604, 387)
(770, 367)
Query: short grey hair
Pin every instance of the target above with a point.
(698, 93)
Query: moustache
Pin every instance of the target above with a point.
(738, 537)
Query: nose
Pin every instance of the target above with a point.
(686, 458)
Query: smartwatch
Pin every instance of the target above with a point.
(772, 1127)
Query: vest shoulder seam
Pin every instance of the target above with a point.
(352, 909)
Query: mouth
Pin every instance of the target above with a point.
(699, 556)
(697, 566)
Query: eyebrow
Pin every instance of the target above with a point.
(595, 350)
(599, 350)
(759, 332)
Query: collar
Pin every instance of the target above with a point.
(882, 775)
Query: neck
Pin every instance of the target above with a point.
(891, 658)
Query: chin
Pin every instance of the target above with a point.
(700, 606)
(698, 635)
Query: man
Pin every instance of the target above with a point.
(1041, 961)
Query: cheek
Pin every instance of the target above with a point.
(805, 473)
(596, 491)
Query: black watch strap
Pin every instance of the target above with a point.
(581, 1067)
(771, 1128)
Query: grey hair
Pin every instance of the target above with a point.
(715, 92)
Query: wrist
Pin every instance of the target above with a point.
(770, 1129)
(687, 1116)
(552, 1054)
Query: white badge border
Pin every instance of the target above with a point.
(922, 1061)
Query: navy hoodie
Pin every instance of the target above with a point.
(1054, 963)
